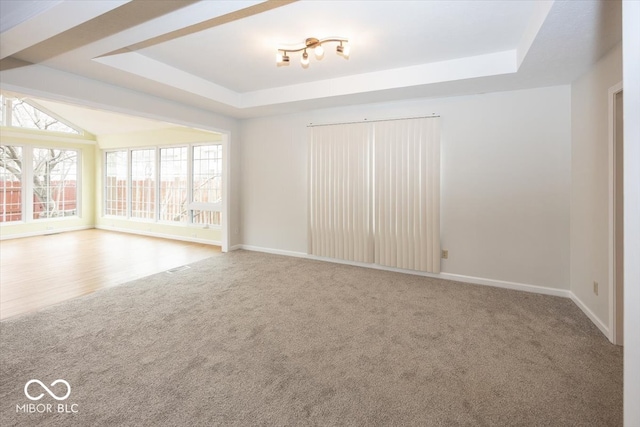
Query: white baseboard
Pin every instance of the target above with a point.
(271, 251)
(604, 329)
(160, 235)
(44, 232)
(447, 276)
(565, 293)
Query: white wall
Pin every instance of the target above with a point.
(505, 181)
(631, 41)
(590, 183)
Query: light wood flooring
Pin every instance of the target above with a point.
(37, 272)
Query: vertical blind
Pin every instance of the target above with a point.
(340, 213)
(407, 194)
(375, 193)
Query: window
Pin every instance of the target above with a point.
(143, 184)
(28, 114)
(181, 185)
(50, 175)
(10, 183)
(173, 184)
(115, 199)
(55, 174)
(207, 184)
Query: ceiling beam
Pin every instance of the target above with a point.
(46, 23)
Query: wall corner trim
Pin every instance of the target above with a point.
(595, 319)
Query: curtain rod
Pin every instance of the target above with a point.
(433, 116)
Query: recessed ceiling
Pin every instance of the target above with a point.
(421, 35)
(220, 56)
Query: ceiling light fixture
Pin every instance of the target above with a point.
(282, 57)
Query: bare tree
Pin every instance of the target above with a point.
(27, 115)
(50, 171)
(51, 167)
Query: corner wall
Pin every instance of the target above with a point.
(590, 184)
(505, 181)
(631, 41)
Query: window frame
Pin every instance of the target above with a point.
(205, 206)
(78, 187)
(23, 191)
(7, 120)
(130, 165)
(190, 204)
(104, 184)
(28, 190)
(188, 189)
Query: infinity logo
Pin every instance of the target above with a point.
(26, 391)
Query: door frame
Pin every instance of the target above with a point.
(613, 91)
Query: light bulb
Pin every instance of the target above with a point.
(346, 50)
(278, 57)
(305, 58)
(319, 51)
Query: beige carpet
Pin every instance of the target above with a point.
(255, 339)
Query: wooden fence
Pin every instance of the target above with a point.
(173, 201)
(11, 201)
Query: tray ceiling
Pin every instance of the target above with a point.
(220, 55)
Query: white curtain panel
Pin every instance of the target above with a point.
(340, 195)
(407, 194)
(374, 193)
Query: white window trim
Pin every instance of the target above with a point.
(104, 185)
(7, 120)
(29, 201)
(27, 187)
(23, 192)
(191, 206)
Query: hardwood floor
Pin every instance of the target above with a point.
(37, 272)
